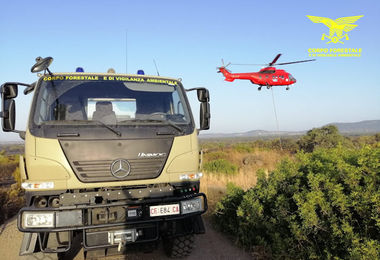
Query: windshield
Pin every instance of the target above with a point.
(115, 101)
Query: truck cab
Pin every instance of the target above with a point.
(111, 160)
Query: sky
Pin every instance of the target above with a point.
(188, 39)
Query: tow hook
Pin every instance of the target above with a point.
(122, 237)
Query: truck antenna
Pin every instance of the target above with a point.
(126, 51)
(158, 74)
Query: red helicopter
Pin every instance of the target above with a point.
(268, 76)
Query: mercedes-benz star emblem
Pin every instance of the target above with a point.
(120, 168)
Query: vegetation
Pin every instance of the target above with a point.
(324, 137)
(220, 166)
(322, 203)
(11, 194)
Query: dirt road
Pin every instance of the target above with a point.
(211, 245)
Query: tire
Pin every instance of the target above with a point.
(179, 246)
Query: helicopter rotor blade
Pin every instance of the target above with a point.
(292, 62)
(274, 60)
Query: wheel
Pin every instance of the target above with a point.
(287, 88)
(179, 246)
(268, 87)
(259, 89)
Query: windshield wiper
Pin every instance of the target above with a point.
(100, 123)
(166, 122)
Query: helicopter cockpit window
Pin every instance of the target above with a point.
(267, 71)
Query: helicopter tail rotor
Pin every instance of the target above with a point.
(224, 66)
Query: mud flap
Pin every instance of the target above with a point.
(198, 225)
(28, 243)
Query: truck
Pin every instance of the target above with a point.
(112, 162)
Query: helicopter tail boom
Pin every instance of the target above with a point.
(226, 74)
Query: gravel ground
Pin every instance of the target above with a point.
(211, 245)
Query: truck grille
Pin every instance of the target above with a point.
(96, 171)
(91, 160)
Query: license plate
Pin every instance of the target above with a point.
(164, 210)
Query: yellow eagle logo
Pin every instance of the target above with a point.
(337, 27)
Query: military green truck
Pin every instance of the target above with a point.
(111, 161)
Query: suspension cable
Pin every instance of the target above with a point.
(275, 115)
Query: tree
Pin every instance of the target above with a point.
(324, 137)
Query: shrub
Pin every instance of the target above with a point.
(7, 165)
(215, 155)
(225, 212)
(11, 198)
(323, 205)
(243, 147)
(220, 166)
(287, 144)
(324, 137)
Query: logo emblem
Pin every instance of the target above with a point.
(151, 155)
(337, 27)
(120, 168)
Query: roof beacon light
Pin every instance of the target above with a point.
(140, 72)
(79, 69)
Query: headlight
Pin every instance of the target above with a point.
(37, 185)
(52, 219)
(190, 206)
(38, 219)
(191, 176)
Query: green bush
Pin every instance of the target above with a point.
(220, 166)
(323, 205)
(243, 147)
(215, 155)
(225, 212)
(324, 137)
(11, 196)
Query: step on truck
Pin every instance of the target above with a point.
(111, 162)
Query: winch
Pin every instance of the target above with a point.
(122, 237)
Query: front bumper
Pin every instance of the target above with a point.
(86, 217)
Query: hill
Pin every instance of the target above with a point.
(354, 128)
(362, 127)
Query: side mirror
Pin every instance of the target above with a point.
(8, 115)
(204, 111)
(9, 91)
(203, 95)
(204, 116)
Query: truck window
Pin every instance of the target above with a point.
(111, 102)
(124, 108)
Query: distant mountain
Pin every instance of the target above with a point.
(253, 134)
(360, 128)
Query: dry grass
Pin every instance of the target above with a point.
(214, 184)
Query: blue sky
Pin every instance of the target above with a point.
(188, 39)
